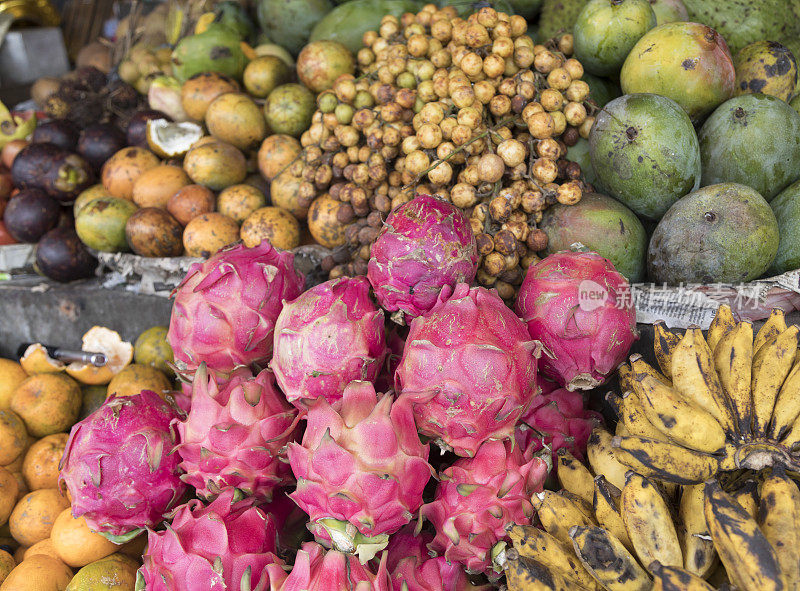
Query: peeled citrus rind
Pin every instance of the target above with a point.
(36, 360)
(119, 354)
(172, 140)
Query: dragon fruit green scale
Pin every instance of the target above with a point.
(326, 338)
(468, 369)
(360, 471)
(225, 308)
(234, 434)
(225, 546)
(119, 466)
(424, 245)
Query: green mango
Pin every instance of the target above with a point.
(606, 30)
(603, 225)
(645, 152)
(602, 90)
(786, 207)
(723, 233)
(558, 16)
(753, 139)
(217, 49)
(669, 11)
(289, 22)
(742, 22)
(233, 15)
(348, 22)
(526, 8)
(580, 153)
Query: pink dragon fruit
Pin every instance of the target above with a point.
(424, 245)
(225, 308)
(360, 471)
(234, 435)
(558, 419)
(395, 344)
(412, 568)
(226, 545)
(477, 498)
(581, 310)
(119, 468)
(469, 369)
(316, 569)
(329, 336)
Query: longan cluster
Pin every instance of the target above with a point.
(470, 110)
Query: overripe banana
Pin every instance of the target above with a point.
(695, 377)
(665, 461)
(531, 542)
(747, 497)
(771, 364)
(748, 557)
(670, 578)
(603, 459)
(722, 324)
(733, 359)
(558, 514)
(634, 418)
(574, 476)
(527, 574)
(606, 510)
(665, 341)
(787, 405)
(774, 325)
(779, 519)
(649, 523)
(608, 561)
(699, 557)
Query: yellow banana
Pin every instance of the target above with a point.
(665, 461)
(747, 497)
(772, 327)
(792, 436)
(531, 542)
(614, 402)
(779, 518)
(695, 377)
(670, 578)
(635, 420)
(699, 557)
(527, 574)
(787, 405)
(603, 459)
(649, 523)
(733, 359)
(586, 508)
(771, 364)
(608, 561)
(681, 421)
(640, 368)
(625, 375)
(558, 514)
(748, 557)
(574, 476)
(664, 342)
(606, 510)
(723, 323)
(621, 430)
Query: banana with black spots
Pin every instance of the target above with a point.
(723, 323)
(574, 476)
(664, 342)
(779, 519)
(632, 415)
(771, 364)
(558, 514)
(772, 327)
(531, 542)
(649, 523)
(733, 359)
(699, 556)
(671, 578)
(603, 459)
(681, 421)
(787, 405)
(694, 375)
(665, 461)
(527, 574)
(746, 495)
(606, 510)
(608, 560)
(749, 559)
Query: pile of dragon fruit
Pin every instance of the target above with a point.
(376, 432)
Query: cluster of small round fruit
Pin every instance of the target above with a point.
(470, 110)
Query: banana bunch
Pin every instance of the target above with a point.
(727, 401)
(637, 539)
